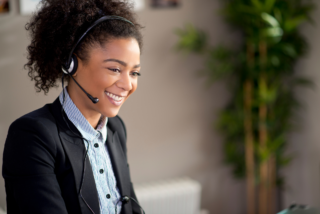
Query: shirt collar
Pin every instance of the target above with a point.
(80, 122)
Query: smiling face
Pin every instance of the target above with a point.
(110, 73)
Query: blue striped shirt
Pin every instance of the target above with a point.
(98, 154)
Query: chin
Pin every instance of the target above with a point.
(111, 113)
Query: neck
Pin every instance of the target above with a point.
(83, 104)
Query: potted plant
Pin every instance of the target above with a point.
(263, 80)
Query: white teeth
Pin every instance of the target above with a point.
(116, 98)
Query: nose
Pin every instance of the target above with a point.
(125, 81)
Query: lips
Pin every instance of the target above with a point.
(114, 99)
(113, 96)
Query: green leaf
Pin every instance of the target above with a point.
(230, 121)
(289, 50)
(191, 39)
(276, 143)
(219, 63)
(284, 161)
(244, 9)
(264, 154)
(272, 32)
(293, 23)
(269, 5)
(278, 15)
(257, 4)
(267, 95)
(303, 81)
(270, 20)
(275, 61)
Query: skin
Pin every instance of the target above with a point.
(112, 68)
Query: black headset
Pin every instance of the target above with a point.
(71, 65)
(70, 68)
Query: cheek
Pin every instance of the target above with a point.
(134, 86)
(103, 79)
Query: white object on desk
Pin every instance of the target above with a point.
(176, 196)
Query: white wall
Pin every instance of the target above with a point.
(169, 117)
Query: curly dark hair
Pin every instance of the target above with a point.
(59, 24)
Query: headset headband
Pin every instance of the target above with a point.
(102, 19)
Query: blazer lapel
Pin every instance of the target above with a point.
(85, 184)
(119, 162)
(76, 152)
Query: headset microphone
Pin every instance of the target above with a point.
(72, 70)
(93, 99)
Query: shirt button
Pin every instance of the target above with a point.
(108, 196)
(101, 171)
(96, 145)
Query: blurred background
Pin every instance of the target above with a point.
(170, 118)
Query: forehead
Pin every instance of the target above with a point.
(119, 48)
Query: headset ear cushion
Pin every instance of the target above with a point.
(73, 65)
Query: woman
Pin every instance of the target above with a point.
(70, 156)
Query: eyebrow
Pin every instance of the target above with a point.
(120, 62)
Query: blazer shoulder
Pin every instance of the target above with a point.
(31, 137)
(41, 117)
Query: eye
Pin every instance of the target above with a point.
(135, 74)
(114, 69)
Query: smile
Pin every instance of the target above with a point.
(113, 96)
(116, 100)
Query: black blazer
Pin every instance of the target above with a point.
(43, 164)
